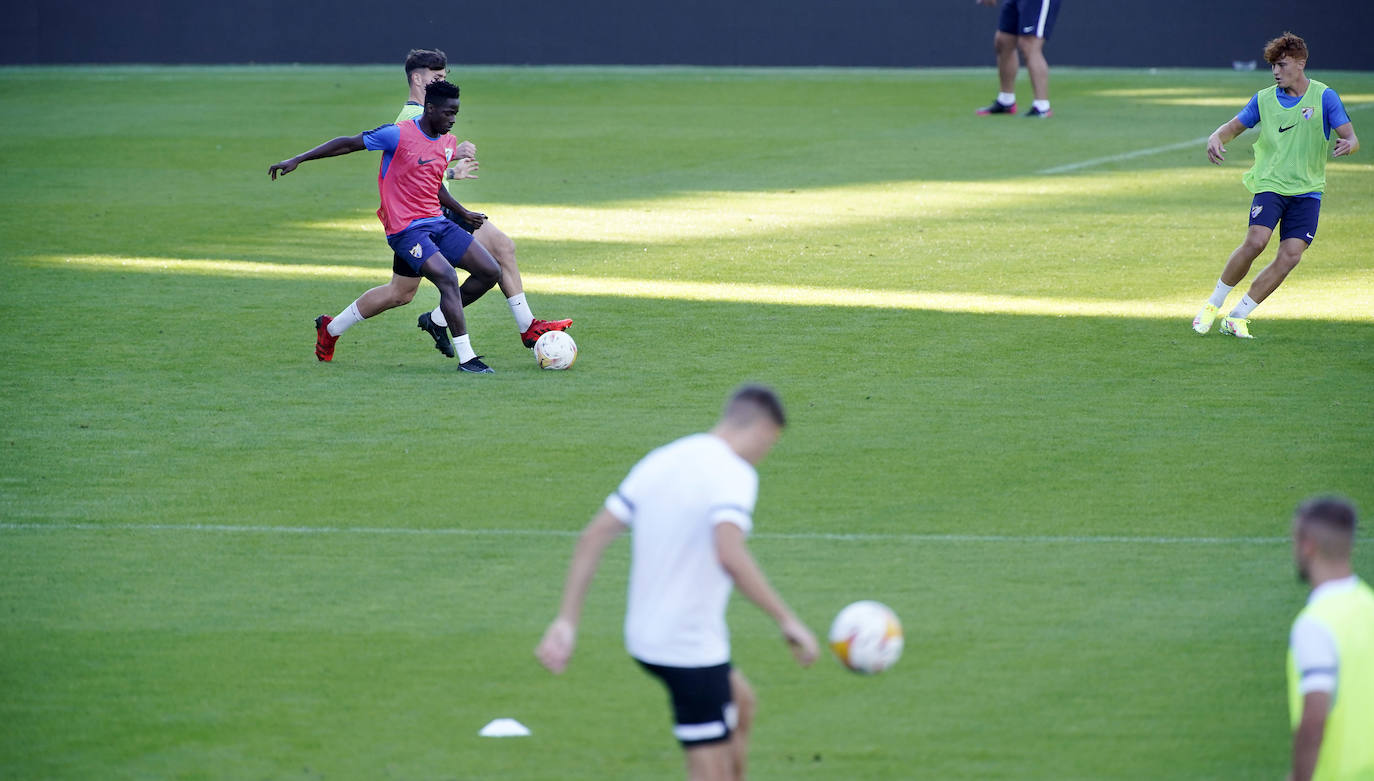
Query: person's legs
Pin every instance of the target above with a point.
(711, 762)
(746, 704)
(438, 270)
(1032, 50)
(1287, 259)
(1238, 264)
(398, 292)
(1265, 211)
(502, 248)
(1008, 63)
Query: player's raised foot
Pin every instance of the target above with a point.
(540, 327)
(1036, 113)
(475, 366)
(1203, 322)
(441, 341)
(324, 341)
(1238, 327)
(997, 108)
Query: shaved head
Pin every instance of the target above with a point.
(1323, 534)
(751, 402)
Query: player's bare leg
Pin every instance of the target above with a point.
(746, 704)
(1238, 265)
(1289, 255)
(711, 762)
(438, 270)
(1032, 50)
(502, 248)
(1008, 63)
(398, 292)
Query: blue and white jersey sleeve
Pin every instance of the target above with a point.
(384, 138)
(1314, 652)
(1333, 111)
(1249, 116)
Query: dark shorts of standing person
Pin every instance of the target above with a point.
(703, 706)
(1295, 214)
(1028, 17)
(415, 244)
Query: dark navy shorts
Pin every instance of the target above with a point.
(415, 244)
(703, 707)
(1297, 213)
(1028, 17)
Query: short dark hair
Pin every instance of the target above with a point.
(426, 59)
(752, 398)
(1331, 512)
(1286, 45)
(440, 91)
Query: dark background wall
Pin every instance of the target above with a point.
(901, 33)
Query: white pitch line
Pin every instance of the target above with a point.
(817, 536)
(1059, 169)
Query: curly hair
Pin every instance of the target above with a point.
(439, 91)
(1286, 45)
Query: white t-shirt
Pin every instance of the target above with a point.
(672, 500)
(1314, 649)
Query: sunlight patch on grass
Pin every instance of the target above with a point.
(1299, 299)
(695, 216)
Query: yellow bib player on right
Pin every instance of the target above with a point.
(1296, 117)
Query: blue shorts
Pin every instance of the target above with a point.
(1298, 214)
(1028, 17)
(703, 705)
(415, 244)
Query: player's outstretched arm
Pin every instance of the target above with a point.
(556, 647)
(1216, 143)
(753, 584)
(1347, 143)
(332, 148)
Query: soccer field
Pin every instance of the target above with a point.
(222, 559)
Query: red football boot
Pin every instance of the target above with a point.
(324, 341)
(540, 327)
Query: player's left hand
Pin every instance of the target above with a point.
(471, 221)
(1343, 147)
(465, 149)
(284, 167)
(463, 168)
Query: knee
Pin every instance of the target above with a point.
(1287, 260)
(503, 249)
(402, 297)
(1254, 245)
(1003, 43)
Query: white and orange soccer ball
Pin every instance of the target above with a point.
(555, 350)
(867, 637)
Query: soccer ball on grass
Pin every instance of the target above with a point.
(555, 350)
(866, 637)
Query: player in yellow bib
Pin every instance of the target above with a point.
(1296, 117)
(1331, 651)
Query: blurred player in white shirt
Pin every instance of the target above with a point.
(689, 506)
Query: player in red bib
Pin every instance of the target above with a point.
(415, 155)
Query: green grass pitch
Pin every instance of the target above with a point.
(221, 559)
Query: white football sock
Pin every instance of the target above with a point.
(1005, 98)
(345, 320)
(1041, 105)
(1245, 307)
(1219, 295)
(437, 316)
(521, 312)
(463, 344)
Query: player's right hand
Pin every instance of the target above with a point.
(1215, 151)
(284, 167)
(801, 641)
(556, 648)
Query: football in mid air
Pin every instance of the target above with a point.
(866, 637)
(555, 350)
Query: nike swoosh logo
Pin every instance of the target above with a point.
(1286, 129)
(423, 161)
